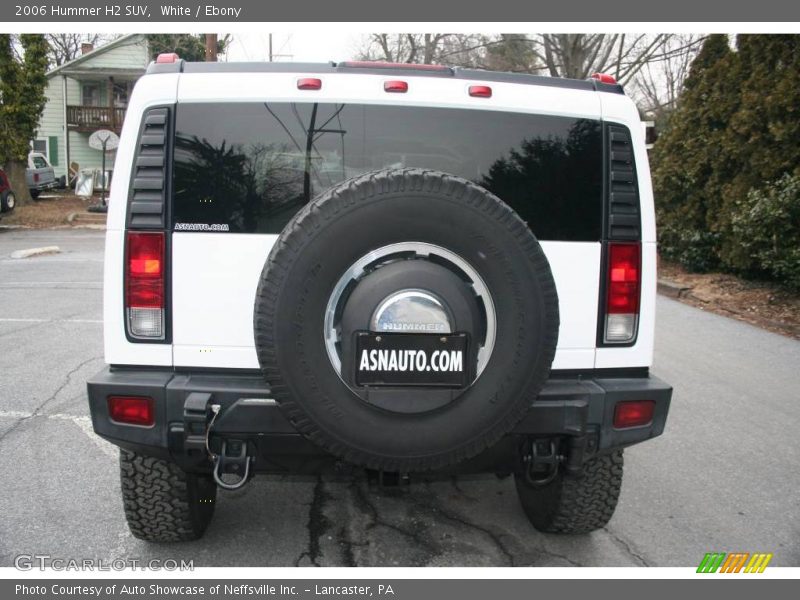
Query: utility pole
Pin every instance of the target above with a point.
(272, 55)
(211, 47)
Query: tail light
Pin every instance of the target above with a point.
(633, 413)
(131, 410)
(144, 284)
(603, 78)
(36, 178)
(623, 287)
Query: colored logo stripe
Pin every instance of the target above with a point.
(711, 562)
(734, 562)
(758, 563)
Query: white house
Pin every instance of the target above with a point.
(86, 94)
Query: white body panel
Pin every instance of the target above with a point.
(214, 275)
(216, 288)
(216, 282)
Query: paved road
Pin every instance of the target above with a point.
(724, 477)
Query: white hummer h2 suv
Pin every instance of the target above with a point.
(405, 268)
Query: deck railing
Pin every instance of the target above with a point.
(89, 118)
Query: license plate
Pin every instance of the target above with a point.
(409, 359)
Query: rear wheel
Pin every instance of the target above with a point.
(35, 194)
(578, 503)
(162, 502)
(8, 201)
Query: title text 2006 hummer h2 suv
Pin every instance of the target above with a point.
(408, 269)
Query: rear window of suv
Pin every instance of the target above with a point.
(249, 167)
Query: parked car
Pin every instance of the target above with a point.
(40, 175)
(403, 268)
(7, 198)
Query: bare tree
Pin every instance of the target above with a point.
(579, 55)
(573, 55)
(659, 83)
(424, 48)
(652, 66)
(398, 48)
(511, 52)
(65, 47)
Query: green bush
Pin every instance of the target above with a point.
(694, 249)
(766, 228)
(688, 165)
(736, 127)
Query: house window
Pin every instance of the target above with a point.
(90, 93)
(47, 146)
(40, 146)
(121, 95)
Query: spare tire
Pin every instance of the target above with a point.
(406, 256)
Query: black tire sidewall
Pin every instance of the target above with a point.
(202, 492)
(540, 503)
(340, 228)
(5, 205)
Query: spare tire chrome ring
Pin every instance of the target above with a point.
(419, 249)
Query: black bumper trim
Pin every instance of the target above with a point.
(573, 406)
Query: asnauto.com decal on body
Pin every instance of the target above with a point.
(734, 562)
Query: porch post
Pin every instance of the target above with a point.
(66, 124)
(111, 104)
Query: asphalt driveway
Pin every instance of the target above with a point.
(724, 477)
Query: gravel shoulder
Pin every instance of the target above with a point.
(762, 304)
(51, 209)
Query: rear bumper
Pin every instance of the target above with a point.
(574, 406)
(50, 185)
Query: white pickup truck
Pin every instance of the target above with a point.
(40, 175)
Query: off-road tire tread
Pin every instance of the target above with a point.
(162, 502)
(575, 504)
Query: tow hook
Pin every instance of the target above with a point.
(199, 415)
(232, 460)
(541, 462)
